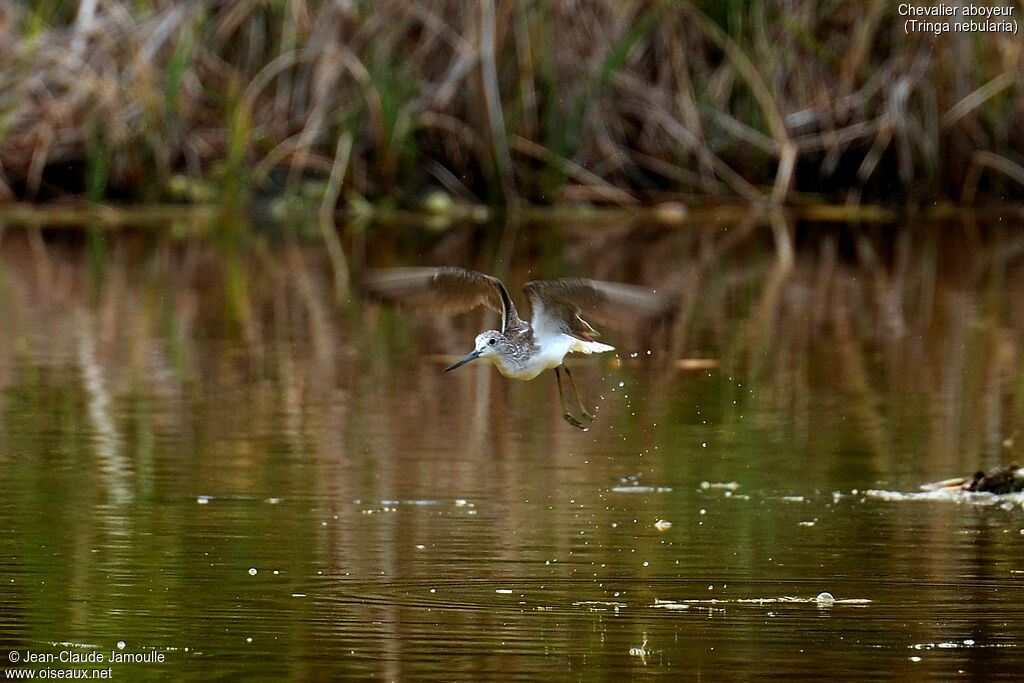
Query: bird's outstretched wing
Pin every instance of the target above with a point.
(558, 306)
(440, 291)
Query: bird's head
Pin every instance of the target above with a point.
(489, 343)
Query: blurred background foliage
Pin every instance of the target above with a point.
(501, 102)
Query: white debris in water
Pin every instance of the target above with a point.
(819, 600)
(670, 604)
(121, 645)
(810, 522)
(950, 494)
(663, 525)
(641, 489)
(253, 571)
(953, 645)
(503, 591)
(915, 659)
(726, 485)
(640, 652)
(600, 605)
(203, 500)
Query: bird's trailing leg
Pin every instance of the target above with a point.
(579, 401)
(561, 397)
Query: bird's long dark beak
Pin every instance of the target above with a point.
(473, 355)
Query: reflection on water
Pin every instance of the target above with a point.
(205, 454)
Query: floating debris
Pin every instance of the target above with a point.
(640, 652)
(599, 605)
(662, 525)
(965, 643)
(670, 604)
(820, 599)
(723, 485)
(641, 489)
(949, 494)
(998, 481)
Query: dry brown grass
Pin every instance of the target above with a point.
(503, 101)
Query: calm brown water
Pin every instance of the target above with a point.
(204, 456)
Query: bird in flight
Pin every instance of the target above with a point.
(523, 349)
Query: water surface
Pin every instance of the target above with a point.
(208, 454)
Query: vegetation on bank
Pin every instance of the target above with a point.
(504, 102)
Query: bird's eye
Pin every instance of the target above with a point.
(492, 341)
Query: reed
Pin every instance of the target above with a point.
(619, 102)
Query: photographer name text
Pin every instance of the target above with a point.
(90, 657)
